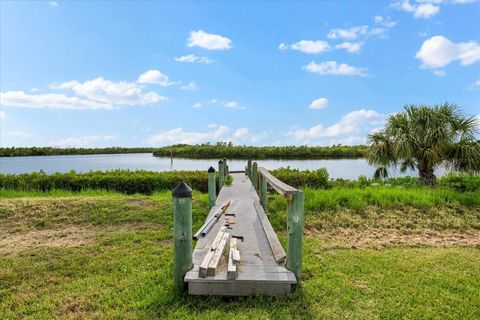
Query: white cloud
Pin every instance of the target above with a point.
(191, 58)
(282, 46)
(115, 93)
(439, 51)
(21, 99)
(233, 105)
(351, 129)
(320, 103)
(422, 10)
(334, 68)
(208, 41)
(178, 135)
(386, 22)
(439, 73)
(83, 141)
(348, 34)
(154, 77)
(241, 133)
(197, 105)
(311, 46)
(18, 134)
(53, 3)
(473, 86)
(191, 86)
(3, 115)
(352, 47)
(35, 90)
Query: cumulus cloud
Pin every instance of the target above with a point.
(197, 105)
(154, 77)
(352, 47)
(208, 41)
(311, 46)
(21, 99)
(18, 134)
(117, 93)
(191, 86)
(320, 103)
(421, 10)
(191, 58)
(438, 51)
(179, 135)
(282, 46)
(351, 129)
(334, 68)
(83, 141)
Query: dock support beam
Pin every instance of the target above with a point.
(249, 169)
(255, 175)
(295, 211)
(182, 233)
(212, 187)
(221, 174)
(262, 191)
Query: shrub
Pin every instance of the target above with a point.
(228, 180)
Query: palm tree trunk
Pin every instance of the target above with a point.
(427, 177)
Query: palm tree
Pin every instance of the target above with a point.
(425, 137)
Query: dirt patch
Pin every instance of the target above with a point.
(71, 236)
(380, 238)
(140, 202)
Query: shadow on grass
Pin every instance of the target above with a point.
(174, 304)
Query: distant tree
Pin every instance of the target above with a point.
(426, 137)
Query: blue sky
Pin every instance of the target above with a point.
(258, 73)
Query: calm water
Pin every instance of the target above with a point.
(339, 168)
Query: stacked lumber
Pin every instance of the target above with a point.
(233, 260)
(212, 259)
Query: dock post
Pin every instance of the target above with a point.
(249, 169)
(255, 175)
(295, 211)
(212, 186)
(262, 190)
(182, 233)
(221, 174)
(225, 168)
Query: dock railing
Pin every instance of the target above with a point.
(261, 178)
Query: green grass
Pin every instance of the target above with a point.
(118, 260)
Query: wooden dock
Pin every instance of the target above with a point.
(262, 268)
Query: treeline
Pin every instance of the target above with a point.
(229, 151)
(52, 151)
(147, 182)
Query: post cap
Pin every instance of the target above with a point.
(211, 169)
(182, 190)
(220, 161)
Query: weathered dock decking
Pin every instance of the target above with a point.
(262, 268)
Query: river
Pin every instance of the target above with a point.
(337, 168)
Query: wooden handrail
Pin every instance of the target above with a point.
(279, 186)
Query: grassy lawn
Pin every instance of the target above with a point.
(103, 255)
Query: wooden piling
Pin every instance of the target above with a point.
(295, 212)
(255, 175)
(182, 232)
(221, 174)
(262, 191)
(212, 187)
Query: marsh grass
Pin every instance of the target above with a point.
(123, 270)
